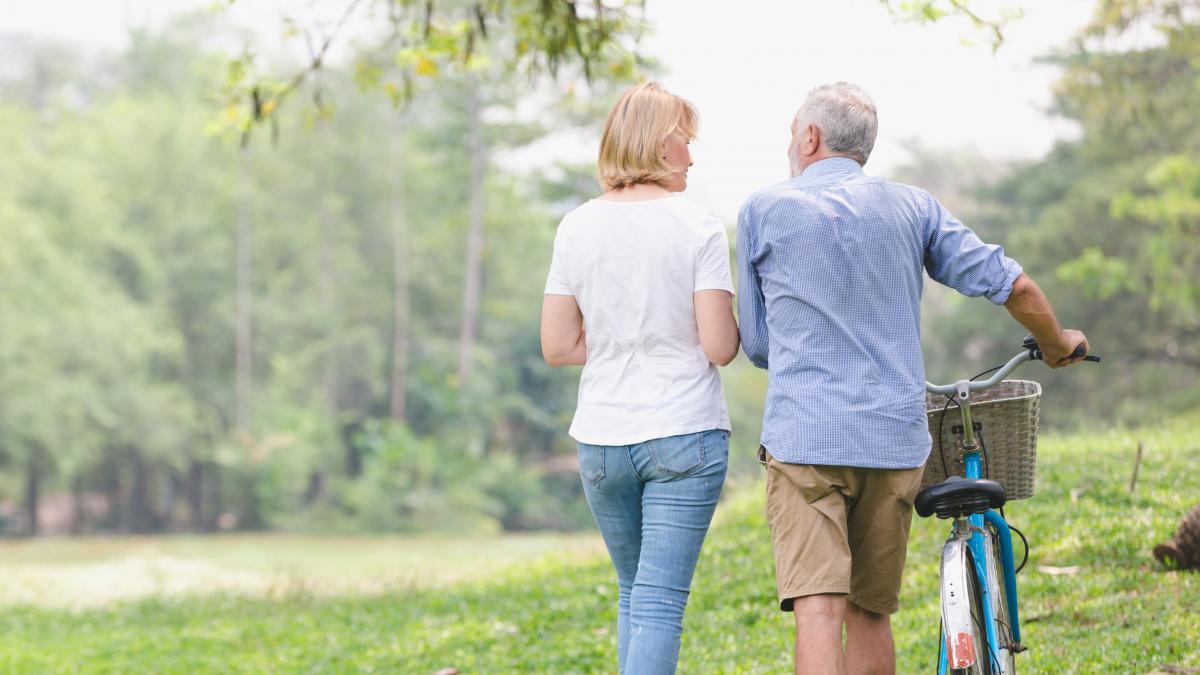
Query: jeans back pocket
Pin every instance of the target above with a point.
(678, 456)
(591, 463)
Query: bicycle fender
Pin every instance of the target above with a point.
(961, 650)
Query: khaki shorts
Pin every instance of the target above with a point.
(839, 530)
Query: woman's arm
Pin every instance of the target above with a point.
(718, 330)
(563, 340)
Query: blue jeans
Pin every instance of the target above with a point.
(653, 502)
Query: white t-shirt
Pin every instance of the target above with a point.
(633, 267)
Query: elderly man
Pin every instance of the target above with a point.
(831, 272)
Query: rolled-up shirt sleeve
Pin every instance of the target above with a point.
(956, 257)
(752, 310)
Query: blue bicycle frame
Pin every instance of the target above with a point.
(973, 529)
(979, 558)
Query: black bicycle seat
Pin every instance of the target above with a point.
(957, 497)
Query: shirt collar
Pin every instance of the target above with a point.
(831, 166)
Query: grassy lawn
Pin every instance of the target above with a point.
(94, 571)
(1113, 611)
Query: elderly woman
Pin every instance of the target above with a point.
(640, 294)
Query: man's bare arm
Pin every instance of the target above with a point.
(1029, 306)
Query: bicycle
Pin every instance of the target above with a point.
(981, 630)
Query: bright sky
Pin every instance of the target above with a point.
(748, 70)
(747, 66)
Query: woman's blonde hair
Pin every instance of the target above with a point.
(631, 147)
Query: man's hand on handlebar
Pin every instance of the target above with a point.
(1075, 340)
(1066, 350)
(1029, 306)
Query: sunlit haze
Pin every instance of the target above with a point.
(747, 67)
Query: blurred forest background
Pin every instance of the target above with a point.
(330, 323)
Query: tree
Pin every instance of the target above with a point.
(425, 39)
(992, 22)
(1113, 216)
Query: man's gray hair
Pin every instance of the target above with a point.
(845, 114)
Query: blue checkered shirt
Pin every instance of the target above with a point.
(829, 300)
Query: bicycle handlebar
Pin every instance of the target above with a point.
(1028, 354)
(1005, 370)
(1075, 354)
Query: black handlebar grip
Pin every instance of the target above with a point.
(1080, 352)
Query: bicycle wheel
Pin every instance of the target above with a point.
(999, 601)
(964, 637)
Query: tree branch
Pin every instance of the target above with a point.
(317, 60)
(930, 11)
(997, 27)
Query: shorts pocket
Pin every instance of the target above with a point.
(813, 482)
(678, 456)
(905, 484)
(591, 463)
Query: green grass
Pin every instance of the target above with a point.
(1119, 613)
(95, 571)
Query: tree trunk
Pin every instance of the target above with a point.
(114, 490)
(475, 240)
(250, 516)
(244, 421)
(353, 461)
(244, 346)
(139, 515)
(217, 501)
(164, 515)
(194, 490)
(32, 483)
(78, 509)
(315, 488)
(193, 482)
(328, 285)
(400, 278)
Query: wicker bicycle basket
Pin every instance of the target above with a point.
(1008, 414)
